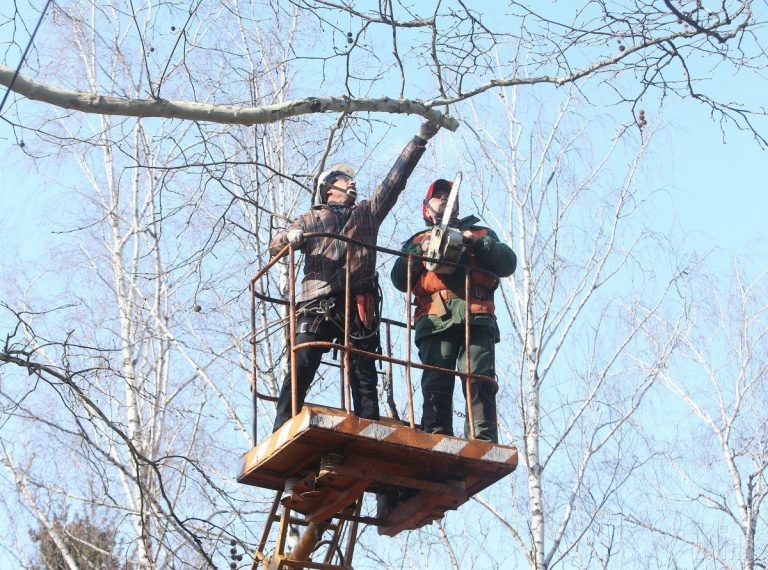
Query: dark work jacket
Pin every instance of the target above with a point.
(487, 253)
(325, 258)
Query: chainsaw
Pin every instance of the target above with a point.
(446, 243)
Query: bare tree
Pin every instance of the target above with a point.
(129, 355)
(635, 50)
(574, 213)
(712, 484)
(146, 371)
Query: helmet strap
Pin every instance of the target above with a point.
(435, 213)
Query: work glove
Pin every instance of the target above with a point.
(295, 237)
(428, 129)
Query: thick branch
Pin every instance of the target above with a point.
(226, 114)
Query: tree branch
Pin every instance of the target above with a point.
(225, 114)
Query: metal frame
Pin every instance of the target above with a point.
(280, 559)
(345, 348)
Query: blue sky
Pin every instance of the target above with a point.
(713, 181)
(717, 189)
(710, 192)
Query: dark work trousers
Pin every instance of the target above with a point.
(362, 370)
(445, 349)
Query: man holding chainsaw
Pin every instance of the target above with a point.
(439, 295)
(320, 309)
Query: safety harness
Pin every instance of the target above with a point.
(431, 291)
(368, 302)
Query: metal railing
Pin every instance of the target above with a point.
(346, 349)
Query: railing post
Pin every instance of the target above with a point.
(254, 391)
(347, 304)
(292, 330)
(390, 374)
(409, 273)
(467, 350)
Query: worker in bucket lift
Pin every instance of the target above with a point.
(440, 314)
(320, 308)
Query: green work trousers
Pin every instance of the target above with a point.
(446, 349)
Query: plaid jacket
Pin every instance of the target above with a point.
(325, 257)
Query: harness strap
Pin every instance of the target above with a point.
(476, 292)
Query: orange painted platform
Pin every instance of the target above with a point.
(429, 473)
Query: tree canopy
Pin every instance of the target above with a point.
(152, 149)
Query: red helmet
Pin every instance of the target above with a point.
(439, 185)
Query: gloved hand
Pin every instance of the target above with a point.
(469, 239)
(295, 237)
(428, 129)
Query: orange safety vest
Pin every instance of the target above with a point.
(430, 291)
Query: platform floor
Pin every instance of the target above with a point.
(423, 474)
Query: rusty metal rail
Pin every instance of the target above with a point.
(345, 348)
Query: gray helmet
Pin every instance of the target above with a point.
(328, 176)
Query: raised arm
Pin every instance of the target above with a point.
(387, 193)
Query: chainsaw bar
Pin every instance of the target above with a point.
(441, 243)
(452, 197)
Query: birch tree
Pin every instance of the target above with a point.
(574, 212)
(711, 484)
(154, 417)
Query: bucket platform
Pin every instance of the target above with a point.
(331, 458)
